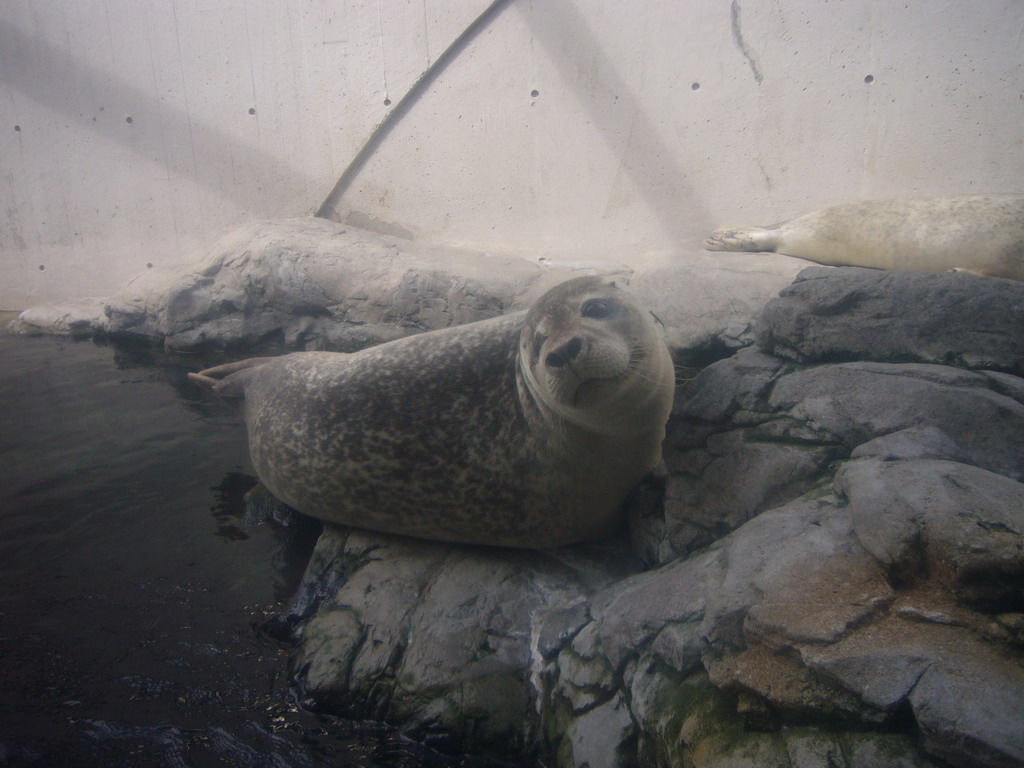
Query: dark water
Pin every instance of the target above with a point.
(132, 590)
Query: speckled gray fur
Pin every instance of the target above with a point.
(438, 436)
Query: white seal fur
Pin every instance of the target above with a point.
(983, 234)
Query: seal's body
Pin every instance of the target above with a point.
(526, 430)
(973, 233)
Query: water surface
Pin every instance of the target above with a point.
(132, 589)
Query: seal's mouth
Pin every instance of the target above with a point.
(592, 385)
(586, 387)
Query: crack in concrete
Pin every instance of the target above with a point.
(741, 44)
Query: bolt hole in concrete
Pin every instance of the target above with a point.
(534, 93)
(869, 79)
(17, 129)
(42, 267)
(387, 102)
(252, 110)
(695, 87)
(128, 120)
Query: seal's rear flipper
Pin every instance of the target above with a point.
(218, 379)
(222, 371)
(203, 381)
(745, 239)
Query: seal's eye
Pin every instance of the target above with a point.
(596, 308)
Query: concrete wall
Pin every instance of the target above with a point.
(136, 132)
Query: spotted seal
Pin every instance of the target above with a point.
(526, 430)
(983, 234)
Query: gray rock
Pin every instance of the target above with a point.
(851, 313)
(851, 403)
(882, 574)
(586, 678)
(751, 433)
(834, 550)
(794, 618)
(561, 625)
(732, 390)
(329, 644)
(710, 302)
(66, 318)
(600, 738)
(836, 541)
(915, 442)
(882, 751)
(957, 523)
(655, 694)
(679, 646)
(314, 284)
(1005, 384)
(860, 672)
(629, 614)
(970, 713)
(966, 695)
(707, 501)
(438, 638)
(809, 749)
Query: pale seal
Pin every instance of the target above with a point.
(526, 430)
(983, 234)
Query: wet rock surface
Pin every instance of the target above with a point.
(829, 315)
(309, 283)
(829, 573)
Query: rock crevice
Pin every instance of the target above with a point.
(829, 573)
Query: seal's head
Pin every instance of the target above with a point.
(596, 357)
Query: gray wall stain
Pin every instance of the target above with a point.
(737, 35)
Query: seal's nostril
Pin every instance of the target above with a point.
(573, 347)
(564, 353)
(554, 360)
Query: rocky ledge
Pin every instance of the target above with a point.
(309, 283)
(829, 573)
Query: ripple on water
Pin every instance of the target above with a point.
(132, 587)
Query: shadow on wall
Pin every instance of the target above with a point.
(208, 155)
(650, 164)
(329, 209)
(152, 121)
